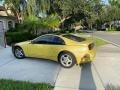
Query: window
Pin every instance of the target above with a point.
(49, 39)
(43, 39)
(58, 41)
(74, 38)
(10, 24)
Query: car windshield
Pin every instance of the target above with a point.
(73, 37)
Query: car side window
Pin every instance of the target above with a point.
(43, 39)
(49, 39)
(58, 41)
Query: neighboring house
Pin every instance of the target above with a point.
(114, 24)
(7, 19)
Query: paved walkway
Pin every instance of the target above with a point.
(108, 64)
(104, 70)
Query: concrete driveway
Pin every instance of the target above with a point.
(28, 69)
(104, 70)
(96, 76)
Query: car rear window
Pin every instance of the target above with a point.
(74, 38)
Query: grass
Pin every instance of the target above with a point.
(97, 41)
(112, 31)
(112, 87)
(22, 85)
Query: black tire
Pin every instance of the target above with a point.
(16, 49)
(71, 63)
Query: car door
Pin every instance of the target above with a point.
(53, 47)
(46, 46)
(37, 46)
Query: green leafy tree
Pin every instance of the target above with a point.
(34, 24)
(14, 5)
(43, 6)
(114, 3)
(52, 21)
(72, 11)
(31, 4)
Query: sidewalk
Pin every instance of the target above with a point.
(108, 64)
(104, 70)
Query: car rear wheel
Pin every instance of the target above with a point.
(67, 60)
(18, 53)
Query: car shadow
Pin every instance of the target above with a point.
(86, 79)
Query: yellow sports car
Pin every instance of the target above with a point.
(66, 49)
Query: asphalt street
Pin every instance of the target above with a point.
(110, 36)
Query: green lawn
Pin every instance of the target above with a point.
(97, 41)
(112, 87)
(21, 85)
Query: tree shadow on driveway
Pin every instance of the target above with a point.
(86, 79)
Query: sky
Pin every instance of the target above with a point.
(1, 2)
(106, 1)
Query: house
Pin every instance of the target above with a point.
(7, 19)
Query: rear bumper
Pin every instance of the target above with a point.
(87, 57)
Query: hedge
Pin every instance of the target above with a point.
(15, 37)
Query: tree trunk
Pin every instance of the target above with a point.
(17, 14)
(110, 26)
(91, 27)
(63, 19)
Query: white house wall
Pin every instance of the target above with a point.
(5, 23)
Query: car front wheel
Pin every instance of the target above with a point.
(18, 53)
(67, 60)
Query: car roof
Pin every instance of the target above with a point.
(66, 40)
(50, 34)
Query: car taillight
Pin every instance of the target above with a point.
(91, 46)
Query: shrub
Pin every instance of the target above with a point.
(15, 37)
(112, 87)
(112, 29)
